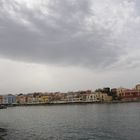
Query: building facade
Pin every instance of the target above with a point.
(1, 99)
(9, 99)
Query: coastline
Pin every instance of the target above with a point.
(70, 103)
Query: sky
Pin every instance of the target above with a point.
(68, 45)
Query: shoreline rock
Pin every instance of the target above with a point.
(3, 133)
(2, 130)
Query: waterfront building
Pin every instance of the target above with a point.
(39, 97)
(63, 97)
(9, 99)
(113, 93)
(92, 97)
(130, 95)
(81, 96)
(43, 99)
(30, 98)
(73, 97)
(98, 97)
(70, 96)
(138, 87)
(1, 99)
(21, 99)
(33, 98)
(105, 97)
(120, 92)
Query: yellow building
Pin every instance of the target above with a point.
(44, 99)
(138, 87)
(103, 97)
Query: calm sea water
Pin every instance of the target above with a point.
(72, 122)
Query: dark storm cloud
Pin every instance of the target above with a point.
(65, 32)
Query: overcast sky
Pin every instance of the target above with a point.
(64, 45)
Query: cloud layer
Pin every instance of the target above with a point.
(91, 33)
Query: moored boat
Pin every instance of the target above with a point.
(3, 107)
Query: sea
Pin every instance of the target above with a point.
(117, 121)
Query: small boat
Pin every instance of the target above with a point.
(3, 107)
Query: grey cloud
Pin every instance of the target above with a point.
(59, 32)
